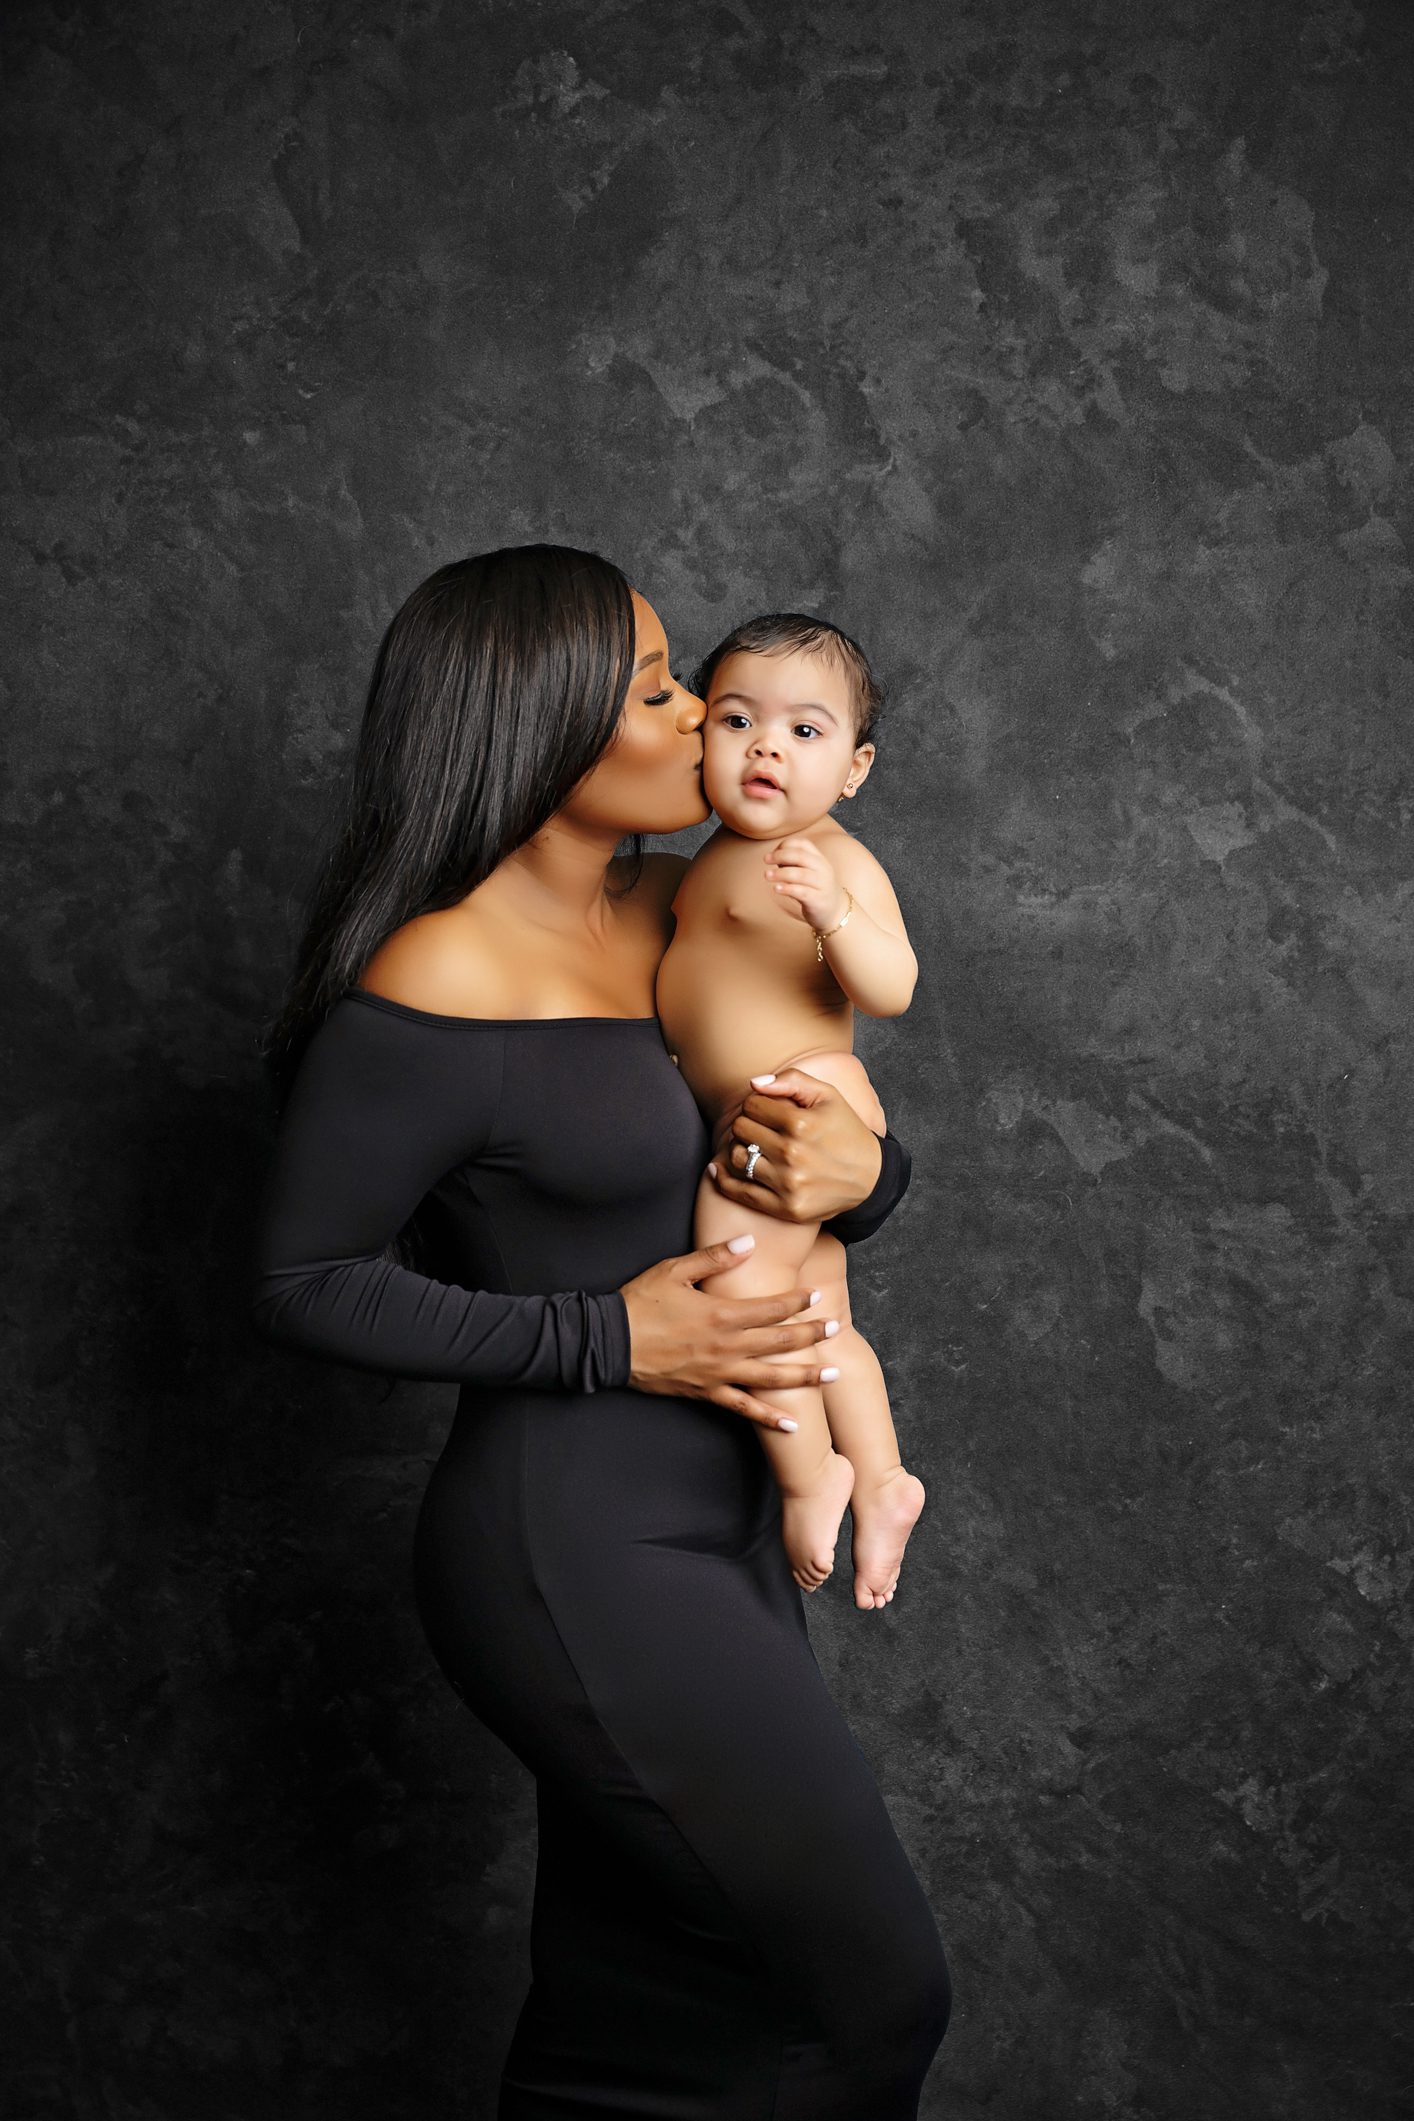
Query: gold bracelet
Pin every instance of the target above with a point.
(822, 935)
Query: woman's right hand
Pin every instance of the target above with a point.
(693, 1345)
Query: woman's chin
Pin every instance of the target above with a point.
(695, 811)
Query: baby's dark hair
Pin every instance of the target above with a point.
(787, 632)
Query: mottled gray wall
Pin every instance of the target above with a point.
(1060, 348)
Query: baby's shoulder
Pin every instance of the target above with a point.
(865, 876)
(851, 857)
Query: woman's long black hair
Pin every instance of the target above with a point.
(497, 687)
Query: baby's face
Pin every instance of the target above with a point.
(778, 742)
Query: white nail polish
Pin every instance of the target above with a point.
(827, 1377)
(740, 1244)
(758, 1082)
(783, 1424)
(711, 1170)
(815, 1296)
(832, 1326)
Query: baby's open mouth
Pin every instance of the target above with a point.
(761, 784)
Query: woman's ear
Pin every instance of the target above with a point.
(859, 768)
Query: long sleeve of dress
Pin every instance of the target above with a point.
(379, 1111)
(889, 1188)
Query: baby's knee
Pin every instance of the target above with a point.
(827, 1269)
(776, 1260)
(846, 1073)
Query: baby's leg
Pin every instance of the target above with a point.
(886, 1501)
(813, 1478)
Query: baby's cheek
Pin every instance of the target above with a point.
(717, 780)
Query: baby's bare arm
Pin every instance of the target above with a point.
(868, 950)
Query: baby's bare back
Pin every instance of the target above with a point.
(740, 991)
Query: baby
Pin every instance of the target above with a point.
(786, 925)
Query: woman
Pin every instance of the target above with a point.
(486, 1172)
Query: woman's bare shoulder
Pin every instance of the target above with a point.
(444, 962)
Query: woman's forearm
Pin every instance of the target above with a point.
(376, 1315)
(820, 1162)
(895, 1171)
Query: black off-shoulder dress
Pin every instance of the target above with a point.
(725, 1924)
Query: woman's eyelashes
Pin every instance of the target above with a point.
(661, 699)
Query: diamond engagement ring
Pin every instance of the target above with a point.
(753, 1153)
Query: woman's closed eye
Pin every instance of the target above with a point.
(661, 699)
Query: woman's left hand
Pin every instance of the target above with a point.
(818, 1159)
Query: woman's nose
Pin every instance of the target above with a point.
(692, 712)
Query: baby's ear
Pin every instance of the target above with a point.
(863, 760)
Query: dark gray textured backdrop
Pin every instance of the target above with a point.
(1061, 349)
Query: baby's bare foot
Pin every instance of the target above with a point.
(884, 1515)
(810, 1522)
